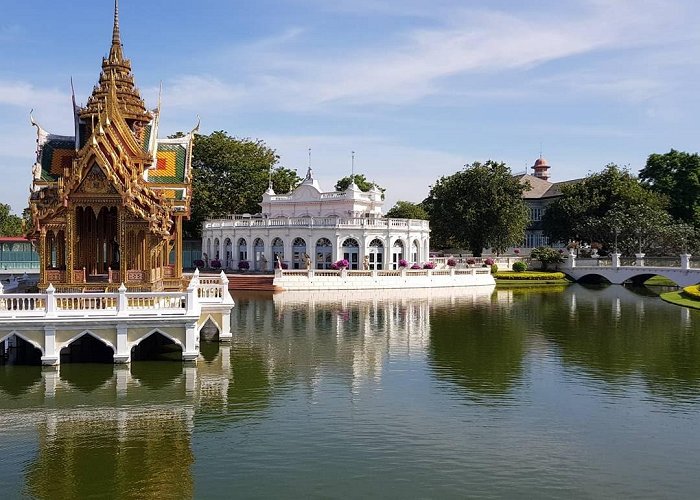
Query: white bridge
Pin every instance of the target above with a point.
(52, 322)
(614, 272)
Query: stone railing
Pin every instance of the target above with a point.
(64, 305)
(683, 261)
(399, 272)
(324, 222)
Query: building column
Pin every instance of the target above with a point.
(191, 350)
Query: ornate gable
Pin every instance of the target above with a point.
(96, 183)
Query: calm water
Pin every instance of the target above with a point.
(555, 393)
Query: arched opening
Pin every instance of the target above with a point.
(376, 254)
(593, 279)
(242, 250)
(415, 253)
(259, 255)
(324, 253)
(87, 349)
(216, 249)
(209, 331)
(278, 251)
(156, 347)
(14, 350)
(351, 252)
(299, 253)
(396, 253)
(641, 279)
(228, 252)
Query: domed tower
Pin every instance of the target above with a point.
(541, 168)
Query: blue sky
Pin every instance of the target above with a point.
(416, 88)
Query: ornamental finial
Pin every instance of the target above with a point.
(115, 53)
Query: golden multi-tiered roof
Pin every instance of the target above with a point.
(108, 202)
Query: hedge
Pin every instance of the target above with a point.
(692, 291)
(509, 275)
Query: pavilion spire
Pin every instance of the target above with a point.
(115, 52)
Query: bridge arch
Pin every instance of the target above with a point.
(24, 352)
(156, 345)
(26, 339)
(87, 347)
(592, 278)
(206, 325)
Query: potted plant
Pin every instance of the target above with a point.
(403, 263)
(243, 265)
(416, 266)
(198, 263)
(429, 265)
(451, 262)
(216, 264)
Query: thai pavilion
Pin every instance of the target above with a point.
(107, 202)
(312, 228)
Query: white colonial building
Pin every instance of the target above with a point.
(323, 227)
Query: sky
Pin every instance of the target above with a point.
(417, 88)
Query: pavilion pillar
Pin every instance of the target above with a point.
(69, 245)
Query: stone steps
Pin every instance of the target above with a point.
(263, 282)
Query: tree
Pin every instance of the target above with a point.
(676, 175)
(611, 208)
(407, 210)
(361, 182)
(230, 175)
(546, 256)
(478, 207)
(10, 224)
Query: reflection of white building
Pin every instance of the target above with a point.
(326, 226)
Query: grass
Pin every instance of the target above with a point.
(659, 281)
(680, 299)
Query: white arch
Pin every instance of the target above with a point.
(88, 332)
(157, 330)
(216, 323)
(15, 332)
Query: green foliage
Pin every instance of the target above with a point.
(407, 210)
(519, 266)
(676, 175)
(546, 256)
(494, 268)
(613, 207)
(476, 208)
(10, 224)
(230, 176)
(530, 276)
(361, 182)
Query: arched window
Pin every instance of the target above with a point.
(260, 261)
(415, 254)
(376, 254)
(277, 250)
(216, 248)
(351, 252)
(228, 252)
(299, 254)
(324, 253)
(242, 249)
(396, 253)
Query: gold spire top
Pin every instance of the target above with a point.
(116, 72)
(115, 53)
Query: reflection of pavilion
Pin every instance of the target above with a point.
(357, 329)
(130, 425)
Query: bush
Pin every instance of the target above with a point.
(471, 262)
(494, 268)
(692, 291)
(198, 263)
(519, 267)
(489, 261)
(530, 276)
(243, 265)
(341, 264)
(216, 263)
(546, 256)
(429, 265)
(416, 266)
(403, 263)
(451, 262)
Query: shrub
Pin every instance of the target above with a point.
(516, 251)
(692, 291)
(429, 265)
(243, 265)
(451, 262)
(546, 256)
(416, 266)
(216, 263)
(471, 262)
(494, 268)
(489, 262)
(198, 263)
(403, 263)
(519, 267)
(530, 276)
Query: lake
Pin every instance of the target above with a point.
(526, 392)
